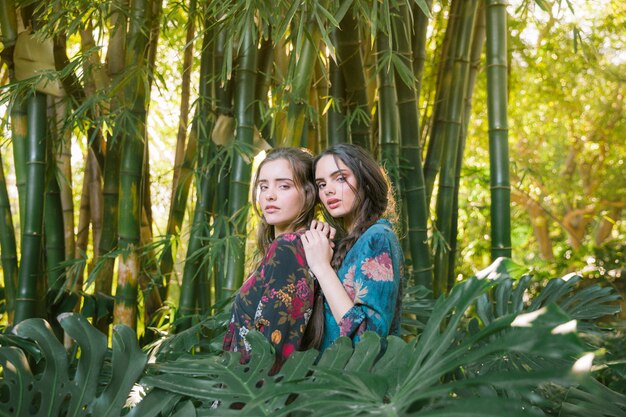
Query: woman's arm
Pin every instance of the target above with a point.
(319, 254)
(288, 295)
(371, 283)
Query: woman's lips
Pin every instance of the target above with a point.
(333, 203)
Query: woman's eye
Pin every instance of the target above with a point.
(262, 187)
(320, 185)
(284, 187)
(341, 179)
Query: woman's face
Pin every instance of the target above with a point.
(335, 184)
(280, 200)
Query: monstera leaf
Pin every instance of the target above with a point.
(50, 382)
(426, 376)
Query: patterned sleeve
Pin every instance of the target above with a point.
(287, 300)
(373, 284)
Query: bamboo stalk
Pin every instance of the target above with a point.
(131, 169)
(27, 300)
(19, 135)
(351, 64)
(82, 230)
(183, 159)
(54, 236)
(321, 84)
(241, 171)
(336, 118)
(301, 78)
(497, 91)
(64, 180)
(212, 55)
(451, 134)
(8, 247)
(413, 187)
(478, 40)
(434, 151)
(110, 189)
(388, 116)
(263, 84)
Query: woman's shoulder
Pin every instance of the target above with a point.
(286, 241)
(382, 227)
(286, 250)
(379, 235)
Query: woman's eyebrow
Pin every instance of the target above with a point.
(333, 174)
(276, 179)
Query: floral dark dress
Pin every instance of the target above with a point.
(372, 274)
(277, 300)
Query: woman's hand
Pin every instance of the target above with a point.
(326, 229)
(318, 248)
(319, 252)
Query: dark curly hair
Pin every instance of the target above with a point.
(373, 191)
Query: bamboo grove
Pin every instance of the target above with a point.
(254, 74)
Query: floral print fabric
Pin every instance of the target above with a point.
(277, 300)
(372, 274)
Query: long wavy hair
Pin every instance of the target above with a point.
(373, 191)
(301, 162)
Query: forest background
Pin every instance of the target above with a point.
(129, 130)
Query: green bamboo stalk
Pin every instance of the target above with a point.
(478, 40)
(54, 236)
(434, 151)
(497, 90)
(64, 179)
(197, 236)
(223, 93)
(420, 29)
(82, 230)
(388, 115)
(54, 222)
(27, 302)
(241, 172)
(336, 118)
(294, 134)
(352, 66)
(220, 178)
(131, 168)
(96, 203)
(8, 247)
(451, 134)
(17, 109)
(19, 134)
(110, 188)
(411, 171)
(321, 86)
(187, 305)
(263, 84)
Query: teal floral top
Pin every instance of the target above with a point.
(277, 300)
(372, 274)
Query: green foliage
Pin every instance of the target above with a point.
(41, 379)
(484, 350)
(509, 364)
